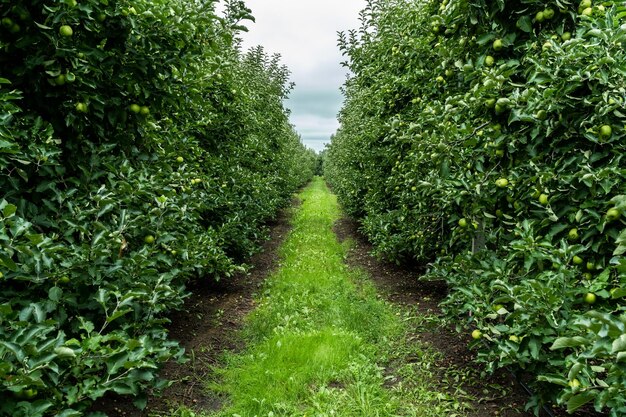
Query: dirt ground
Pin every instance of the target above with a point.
(209, 326)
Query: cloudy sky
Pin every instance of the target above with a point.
(304, 33)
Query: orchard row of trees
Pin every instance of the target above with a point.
(487, 138)
(140, 148)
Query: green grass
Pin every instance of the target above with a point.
(319, 339)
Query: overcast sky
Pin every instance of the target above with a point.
(304, 33)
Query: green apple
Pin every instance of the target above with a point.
(590, 298)
(606, 131)
(66, 31)
(612, 214)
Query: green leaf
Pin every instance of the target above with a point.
(35, 239)
(568, 342)
(579, 400)
(555, 379)
(621, 244)
(44, 27)
(115, 362)
(535, 346)
(525, 23)
(618, 293)
(17, 350)
(141, 401)
(575, 370)
(55, 294)
(39, 407)
(123, 389)
(38, 312)
(9, 210)
(485, 38)
(72, 413)
(117, 314)
(619, 345)
(8, 262)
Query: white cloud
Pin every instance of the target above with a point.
(317, 145)
(315, 130)
(304, 33)
(314, 125)
(316, 101)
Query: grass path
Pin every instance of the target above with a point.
(320, 338)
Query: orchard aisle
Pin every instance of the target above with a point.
(320, 338)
